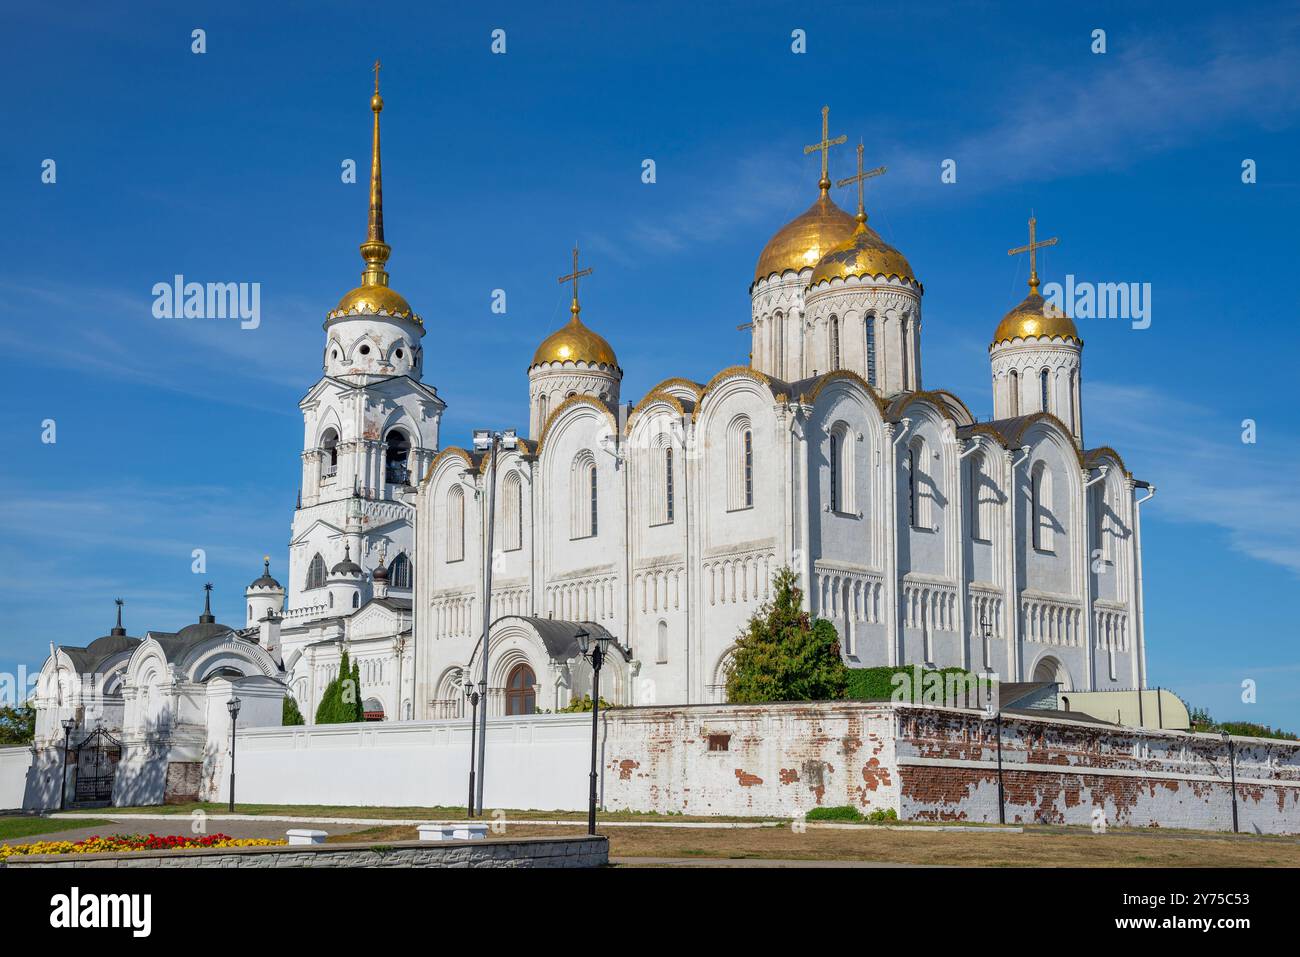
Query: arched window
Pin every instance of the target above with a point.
(512, 512)
(356, 599)
(395, 456)
(871, 350)
(316, 572)
(582, 498)
(740, 464)
(661, 486)
(661, 650)
(842, 444)
(778, 344)
(456, 523)
(668, 482)
(835, 472)
(1014, 379)
(835, 343)
(329, 464)
(983, 498)
(919, 491)
(907, 368)
(1041, 498)
(399, 572)
(521, 691)
(1043, 389)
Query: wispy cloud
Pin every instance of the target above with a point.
(1204, 472)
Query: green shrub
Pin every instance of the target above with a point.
(877, 684)
(843, 813)
(582, 704)
(289, 713)
(340, 703)
(881, 815)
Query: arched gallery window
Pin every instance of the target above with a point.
(316, 572)
(740, 464)
(1041, 498)
(835, 343)
(399, 572)
(871, 351)
(583, 500)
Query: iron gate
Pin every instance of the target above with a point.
(96, 766)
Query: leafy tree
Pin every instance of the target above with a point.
(783, 655)
(1202, 721)
(290, 713)
(17, 725)
(340, 703)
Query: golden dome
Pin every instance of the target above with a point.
(862, 254)
(574, 342)
(373, 299)
(1035, 318)
(800, 243)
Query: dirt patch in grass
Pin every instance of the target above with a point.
(942, 848)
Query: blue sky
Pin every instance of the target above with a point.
(175, 435)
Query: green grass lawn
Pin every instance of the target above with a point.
(14, 827)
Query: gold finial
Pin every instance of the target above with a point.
(574, 277)
(374, 250)
(1032, 249)
(861, 179)
(825, 146)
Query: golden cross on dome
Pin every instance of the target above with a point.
(861, 179)
(376, 69)
(1032, 248)
(574, 277)
(825, 146)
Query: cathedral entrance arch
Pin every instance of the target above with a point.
(1051, 669)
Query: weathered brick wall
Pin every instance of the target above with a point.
(542, 852)
(1063, 772)
(777, 759)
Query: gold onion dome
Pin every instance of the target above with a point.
(802, 242)
(574, 342)
(1035, 317)
(374, 294)
(863, 254)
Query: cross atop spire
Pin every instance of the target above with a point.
(118, 629)
(861, 179)
(1032, 249)
(376, 69)
(574, 277)
(825, 147)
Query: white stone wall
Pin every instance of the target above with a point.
(14, 764)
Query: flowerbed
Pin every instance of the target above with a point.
(117, 843)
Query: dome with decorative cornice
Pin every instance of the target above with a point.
(574, 342)
(863, 255)
(1035, 318)
(801, 243)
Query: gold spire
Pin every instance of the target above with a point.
(574, 277)
(374, 294)
(1032, 248)
(861, 179)
(825, 146)
(374, 250)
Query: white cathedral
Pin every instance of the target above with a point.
(924, 535)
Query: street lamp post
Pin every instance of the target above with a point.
(1002, 804)
(233, 707)
(1232, 770)
(489, 442)
(472, 697)
(595, 653)
(68, 725)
